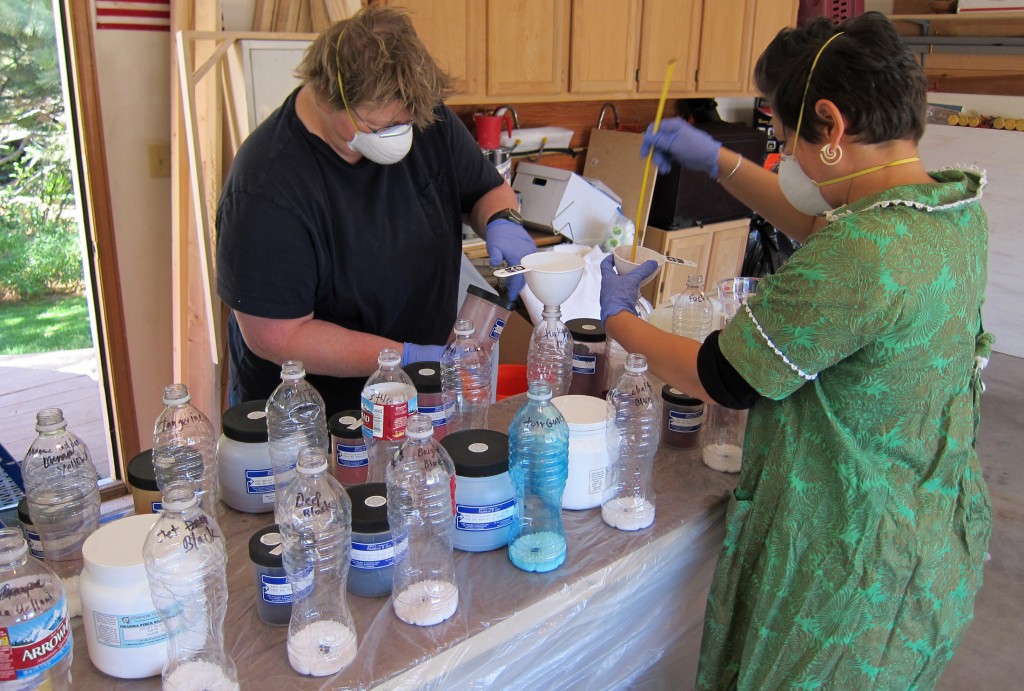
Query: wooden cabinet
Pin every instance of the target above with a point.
(527, 48)
(670, 29)
(769, 18)
(604, 46)
(726, 32)
(717, 248)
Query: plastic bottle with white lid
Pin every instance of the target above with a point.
(314, 517)
(296, 420)
(37, 646)
(63, 495)
(633, 432)
(692, 312)
(186, 564)
(466, 380)
(184, 447)
(387, 401)
(421, 496)
(539, 466)
(549, 355)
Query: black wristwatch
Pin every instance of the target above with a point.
(507, 214)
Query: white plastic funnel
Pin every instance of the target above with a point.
(624, 265)
(553, 276)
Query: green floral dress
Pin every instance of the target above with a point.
(856, 536)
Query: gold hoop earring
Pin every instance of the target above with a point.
(831, 156)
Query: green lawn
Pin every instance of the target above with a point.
(40, 326)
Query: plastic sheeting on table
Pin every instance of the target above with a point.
(625, 608)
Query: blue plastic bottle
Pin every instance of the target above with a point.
(539, 466)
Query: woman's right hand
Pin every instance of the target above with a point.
(678, 141)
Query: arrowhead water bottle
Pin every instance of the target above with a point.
(63, 497)
(314, 516)
(185, 447)
(466, 380)
(296, 420)
(692, 311)
(186, 564)
(421, 496)
(633, 431)
(539, 467)
(387, 401)
(549, 356)
(35, 645)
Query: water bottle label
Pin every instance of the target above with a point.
(259, 481)
(383, 419)
(685, 421)
(276, 589)
(351, 456)
(584, 364)
(499, 326)
(372, 555)
(35, 545)
(128, 630)
(437, 413)
(483, 518)
(36, 645)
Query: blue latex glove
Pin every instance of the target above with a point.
(678, 141)
(620, 293)
(420, 353)
(509, 242)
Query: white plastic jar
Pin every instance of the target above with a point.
(243, 459)
(123, 631)
(588, 451)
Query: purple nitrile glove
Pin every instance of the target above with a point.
(620, 293)
(421, 353)
(678, 141)
(508, 241)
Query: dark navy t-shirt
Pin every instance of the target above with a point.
(369, 247)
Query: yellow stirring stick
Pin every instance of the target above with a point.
(669, 69)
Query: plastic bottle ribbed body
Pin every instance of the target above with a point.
(314, 516)
(387, 401)
(186, 564)
(421, 489)
(296, 420)
(62, 491)
(185, 447)
(633, 432)
(466, 380)
(692, 311)
(34, 618)
(539, 467)
(549, 357)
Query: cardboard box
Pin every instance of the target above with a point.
(559, 200)
(990, 6)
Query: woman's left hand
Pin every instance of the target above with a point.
(620, 293)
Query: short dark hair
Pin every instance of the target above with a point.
(868, 72)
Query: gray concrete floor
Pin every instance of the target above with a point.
(992, 654)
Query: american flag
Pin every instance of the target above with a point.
(133, 15)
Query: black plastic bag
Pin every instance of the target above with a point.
(767, 248)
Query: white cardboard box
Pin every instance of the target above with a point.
(559, 200)
(968, 6)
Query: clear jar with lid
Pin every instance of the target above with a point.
(589, 365)
(682, 419)
(586, 417)
(372, 560)
(350, 461)
(142, 480)
(273, 591)
(243, 459)
(484, 498)
(426, 378)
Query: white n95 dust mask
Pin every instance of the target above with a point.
(799, 189)
(383, 147)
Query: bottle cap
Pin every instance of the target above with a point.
(265, 547)
(246, 422)
(141, 474)
(426, 376)
(348, 424)
(677, 397)
(369, 507)
(477, 452)
(503, 303)
(586, 330)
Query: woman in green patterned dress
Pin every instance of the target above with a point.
(855, 539)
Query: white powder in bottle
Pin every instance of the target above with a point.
(426, 603)
(321, 648)
(628, 513)
(199, 675)
(725, 458)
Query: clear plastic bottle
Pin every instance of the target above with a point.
(549, 356)
(421, 499)
(632, 433)
(185, 447)
(314, 515)
(539, 466)
(186, 564)
(692, 311)
(387, 401)
(34, 618)
(296, 420)
(466, 380)
(63, 497)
